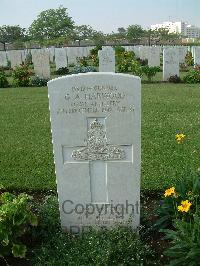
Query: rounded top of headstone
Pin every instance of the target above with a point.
(93, 74)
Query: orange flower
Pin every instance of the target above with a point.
(180, 138)
(169, 191)
(185, 206)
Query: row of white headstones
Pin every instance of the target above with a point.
(41, 58)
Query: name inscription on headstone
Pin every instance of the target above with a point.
(95, 99)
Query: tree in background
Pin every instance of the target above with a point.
(52, 24)
(83, 32)
(98, 38)
(117, 37)
(161, 35)
(134, 33)
(86, 32)
(121, 33)
(10, 34)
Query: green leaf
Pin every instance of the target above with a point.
(19, 250)
(33, 219)
(19, 219)
(5, 241)
(7, 197)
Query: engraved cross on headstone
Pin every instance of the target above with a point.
(97, 152)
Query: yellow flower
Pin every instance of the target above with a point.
(180, 137)
(185, 206)
(169, 191)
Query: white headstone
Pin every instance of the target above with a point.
(136, 51)
(3, 59)
(23, 54)
(141, 53)
(15, 57)
(170, 63)
(106, 59)
(196, 52)
(144, 52)
(95, 122)
(192, 50)
(129, 48)
(154, 56)
(60, 58)
(52, 53)
(80, 52)
(72, 54)
(41, 65)
(182, 53)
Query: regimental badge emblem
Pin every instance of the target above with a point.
(97, 147)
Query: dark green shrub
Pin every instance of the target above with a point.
(83, 61)
(119, 50)
(94, 55)
(94, 51)
(15, 217)
(9, 65)
(150, 72)
(129, 55)
(174, 79)
(185, 249)
(82, 69)
(142, 62)
(123, 66)
(21, 76)
(71, 65)
(183, 67)
(124, 61)
(189, 59)
(39, 81)
(193, 76)
(136, 68)
(95, 60)
(48, 218)
(62, 71)
(28, 59)
(3, 80)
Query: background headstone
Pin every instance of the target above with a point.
(23, 55)
(41, 65)
(15, 57)
(144, 52)
(106, 59)
(136, 51)
(60, 58)
(170, 63)
(196, 54)
(3, 59)
(72, 54)
(51, 54)
(182, 53)
(154, 56)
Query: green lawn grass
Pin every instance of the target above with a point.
(26, 159)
